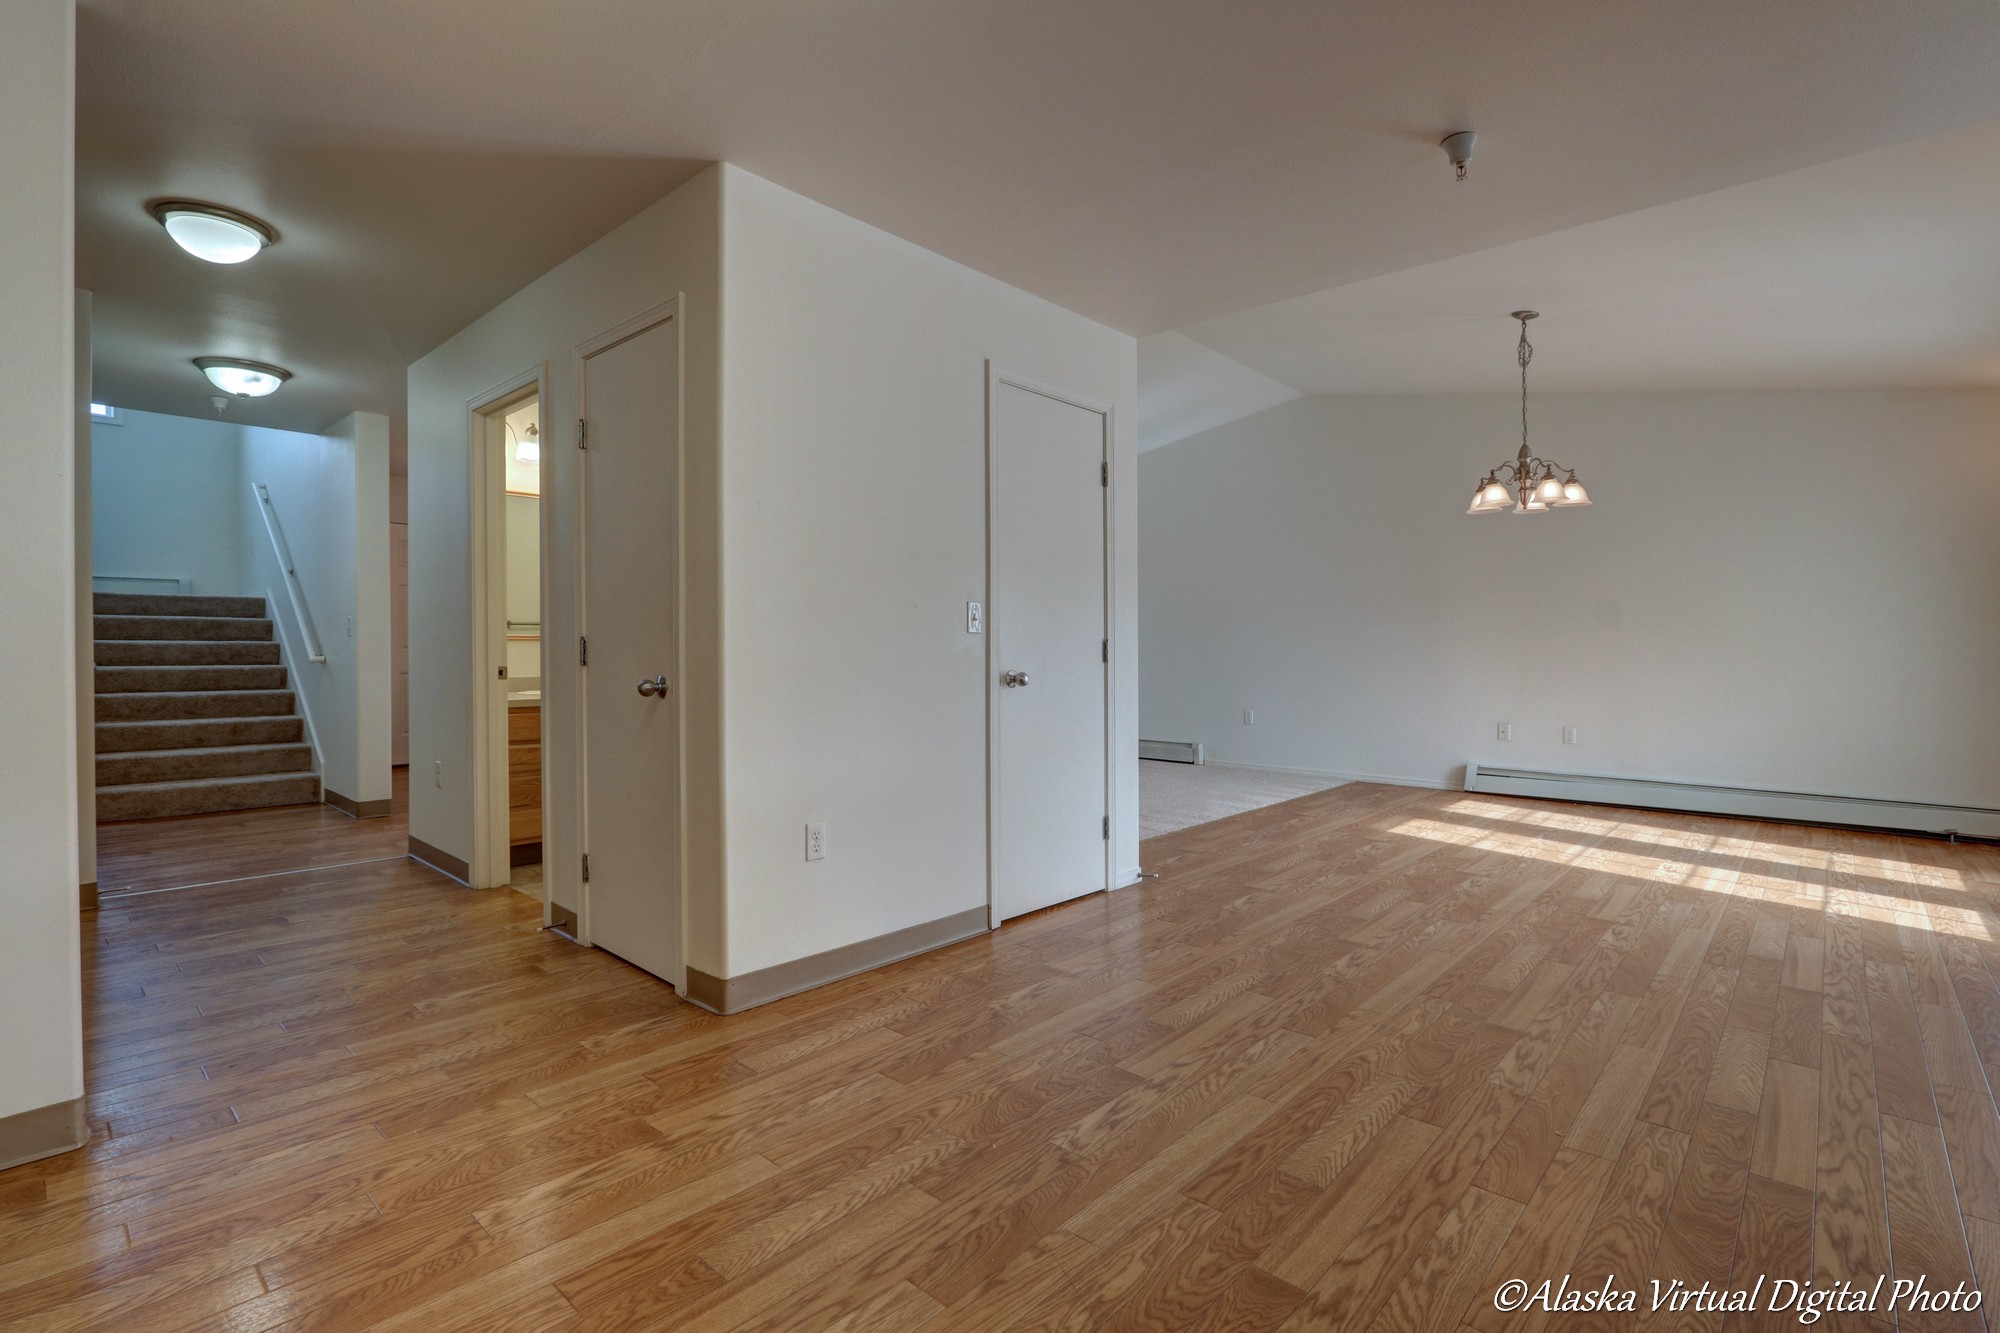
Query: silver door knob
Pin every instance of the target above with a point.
(1013, 679)
(654, 688)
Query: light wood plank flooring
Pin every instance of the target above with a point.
(1352, 1060)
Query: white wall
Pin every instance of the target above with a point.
(854, 391)
(671, 248)
(85, 636)
(167, 501)
(41, 1036)
(1772, 589)
(330, 493)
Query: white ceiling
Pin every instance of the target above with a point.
(1187, 388)
(1150, 163)
(1879, 270)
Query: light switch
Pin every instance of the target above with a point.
(975, 619)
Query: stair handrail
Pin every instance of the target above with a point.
(295, 589)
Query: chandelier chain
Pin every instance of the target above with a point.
(1525, 354)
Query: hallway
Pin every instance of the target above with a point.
(146, 856)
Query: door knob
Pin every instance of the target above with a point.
(1013, 679)
(654, 688)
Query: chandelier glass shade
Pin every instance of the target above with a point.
(1527, 485)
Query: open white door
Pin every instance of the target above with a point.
(629, 384)
(1048, 620)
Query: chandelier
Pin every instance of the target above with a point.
(1528, 485)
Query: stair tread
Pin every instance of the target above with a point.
(198, 784)
(263, 747)
(183, 694)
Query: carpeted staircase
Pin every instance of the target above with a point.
(194, 710)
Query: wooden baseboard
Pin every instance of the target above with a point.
(732, 995)
(42, 1132)
(87, 896)
(442, 862)
(525, 853)
(354, 809)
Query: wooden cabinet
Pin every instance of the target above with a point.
(524, 782)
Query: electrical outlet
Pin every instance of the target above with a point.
(975, 619)
(1569, 735)
(1503, 731)
(437, 773)
(1249, 717)
(816, 841)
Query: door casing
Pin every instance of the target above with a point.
(488, 865)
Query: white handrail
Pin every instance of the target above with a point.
(314, 652)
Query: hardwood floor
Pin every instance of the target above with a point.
(1352, 1061)
(146, 855)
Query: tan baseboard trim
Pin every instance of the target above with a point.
(732, 995)
(442, 862)
(87, 896)
(352, 808)
(42, 1132)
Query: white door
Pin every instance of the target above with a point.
(630, 399)
(1049, 626)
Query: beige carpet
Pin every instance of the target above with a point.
(1177, 796)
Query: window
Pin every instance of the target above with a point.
(107, 414)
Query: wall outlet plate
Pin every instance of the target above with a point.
(1503, 731)
(1569, 736)
(816, 841)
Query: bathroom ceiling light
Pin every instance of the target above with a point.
(209, 231)
(242, 379)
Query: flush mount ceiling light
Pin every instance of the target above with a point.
(209, 231)
(1528, 485)
(528, 448)
(242, 379)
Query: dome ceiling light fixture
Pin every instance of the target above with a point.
(210, 231)
(242, 379)
(1528, 485)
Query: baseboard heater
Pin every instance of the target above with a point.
(1174, 752)
(1798, 807)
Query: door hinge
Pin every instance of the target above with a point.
(582, 651)
(1106, 655)
(1107, 828)
(1104, 474)
(582, 433)
(586, 867)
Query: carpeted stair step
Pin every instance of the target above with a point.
(186, 652)
(180, 627)
(212, 761)
(155, 800)
(147, 679)
(168, 706)
(190, 733)
(174, 604)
